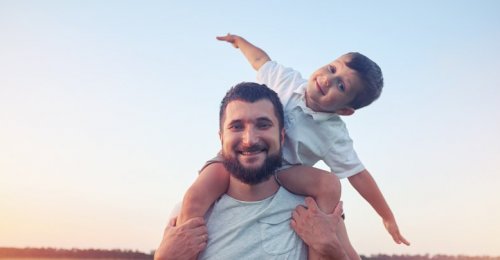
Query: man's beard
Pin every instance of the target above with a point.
(252, 176)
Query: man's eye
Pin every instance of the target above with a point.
(235, 127)
(332, 68)
(264, 125)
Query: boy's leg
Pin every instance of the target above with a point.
(323, 186)
(346, 243)
(211, 183)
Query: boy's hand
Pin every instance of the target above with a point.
(231, 38)
(255, 56)
(393, 229)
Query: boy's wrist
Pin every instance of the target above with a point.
(390, 219)
(237, 41)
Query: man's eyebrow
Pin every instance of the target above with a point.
(234, 121)
(265, 118)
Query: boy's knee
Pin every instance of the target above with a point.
(330, 187)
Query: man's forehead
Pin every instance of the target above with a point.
(244, 110)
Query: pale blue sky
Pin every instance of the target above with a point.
(109, 108)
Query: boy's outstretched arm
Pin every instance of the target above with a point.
(364, 183)
(255, 56)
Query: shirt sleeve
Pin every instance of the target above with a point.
(341, 157)
(279, 78)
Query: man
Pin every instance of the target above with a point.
(252, 220)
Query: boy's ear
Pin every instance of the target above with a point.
(346, 111)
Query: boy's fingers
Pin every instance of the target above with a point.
(398, 238)
(404, 241)
(224, 38)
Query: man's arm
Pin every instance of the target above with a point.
(255, 56)
(182, 242)
(364, 183)
(319, 230)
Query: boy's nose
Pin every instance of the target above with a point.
(323, 80)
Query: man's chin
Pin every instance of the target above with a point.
(254, 171)
(252, 166)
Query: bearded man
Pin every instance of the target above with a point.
(252, 220)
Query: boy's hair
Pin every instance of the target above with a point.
(252, 92)
(371, 77)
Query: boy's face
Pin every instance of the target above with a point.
(332, 87)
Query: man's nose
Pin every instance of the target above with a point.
(250, 137)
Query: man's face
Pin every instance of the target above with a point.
(332, 87)
(251, 140)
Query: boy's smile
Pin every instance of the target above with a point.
(332, 87)
(319, 87)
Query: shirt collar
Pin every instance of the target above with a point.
(317, 116)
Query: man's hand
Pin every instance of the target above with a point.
(184, 241)
(319, 230)
(393, 230)
(231, 38)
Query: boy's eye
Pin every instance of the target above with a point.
(331, 68)
(341, 87)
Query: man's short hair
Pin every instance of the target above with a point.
(371, 77)
(252, 92)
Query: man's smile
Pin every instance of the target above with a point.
(253, 150)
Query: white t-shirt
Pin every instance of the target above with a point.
(310, 136)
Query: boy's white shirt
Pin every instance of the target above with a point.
(311, 136)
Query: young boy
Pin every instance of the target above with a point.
(314, 131)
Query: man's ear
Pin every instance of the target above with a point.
(346, 111)
(220, 137)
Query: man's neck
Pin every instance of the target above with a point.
(246, 192)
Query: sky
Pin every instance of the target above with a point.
(109, 108)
